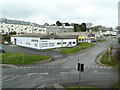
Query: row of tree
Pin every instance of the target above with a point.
(58, 23)
(80, 27)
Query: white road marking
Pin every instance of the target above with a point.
(104, 67)
(95, 71)
(45, 73)
(109, 68)
(92, 66)
(4, 77)
(11, 78)
(100, 67)
(96, 67)
(42, 86)
(31, 74)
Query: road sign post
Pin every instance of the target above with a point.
(109, 52)
(80, 69)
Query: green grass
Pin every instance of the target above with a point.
(110, 62)
(101, 40)
(18, 58)
(77, 48)
(117, 85)
(82, 88)
(0, 58)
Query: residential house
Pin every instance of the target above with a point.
(8, 26)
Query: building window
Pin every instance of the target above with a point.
(73, 42)
(11, 25)
(1, 26)
(20, 42)
(64, 42)
(34, 40)
(51, 44)
(27, 43)
(82, 39)
(2, 31)
(44, 45)
(59, 43)
(36, 44)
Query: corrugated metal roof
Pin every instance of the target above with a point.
(48, 36)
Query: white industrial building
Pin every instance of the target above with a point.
(43, 41)
(8, 26)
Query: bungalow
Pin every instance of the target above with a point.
(43, 41)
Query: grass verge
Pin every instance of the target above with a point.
(82, 88)
(117, 85)
(77, 48)
(101, 40)
(19, 58)
(109, 60)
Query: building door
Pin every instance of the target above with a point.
(15, 41)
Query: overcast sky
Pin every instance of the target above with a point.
(98, 12)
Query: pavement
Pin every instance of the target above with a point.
(63, 70)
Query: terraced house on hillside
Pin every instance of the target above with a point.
(8, 26)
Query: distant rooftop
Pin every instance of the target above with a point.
(48, 36)
(10, 21)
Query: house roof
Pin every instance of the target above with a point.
(9, 21)
(58, 27)
(83, 34)
(48, 36)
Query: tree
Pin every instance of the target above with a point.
(75, 27)
(58, 23)
(67, 24)
(117, 28)
(83, 27)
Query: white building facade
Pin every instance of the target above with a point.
(41, 42)
(8, 26)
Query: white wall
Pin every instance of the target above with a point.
(43, 43)
(21, 28)
(56, 41)
(26, 42)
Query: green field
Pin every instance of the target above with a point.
(77, 48)
(19, 58)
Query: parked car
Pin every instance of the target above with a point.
(5, 42)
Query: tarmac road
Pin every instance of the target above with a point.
(63, 70)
